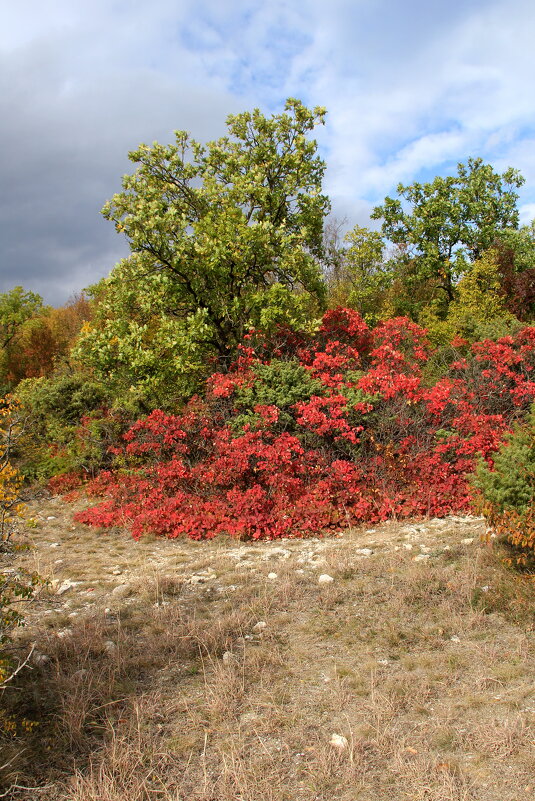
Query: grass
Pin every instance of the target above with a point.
(425, 668)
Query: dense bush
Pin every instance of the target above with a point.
(507, 489)
(69, 425)
(317, 432)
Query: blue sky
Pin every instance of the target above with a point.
(411, 88)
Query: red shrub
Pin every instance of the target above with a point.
(373, 443)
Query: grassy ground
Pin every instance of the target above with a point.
(152, 678)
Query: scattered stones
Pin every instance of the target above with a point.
(339, 742)
(260, 626)
(325, 579)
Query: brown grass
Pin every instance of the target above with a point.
(426, 668)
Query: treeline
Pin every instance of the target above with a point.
(232, 240)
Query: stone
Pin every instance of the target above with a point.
(260, 626)
(110, 646)
(272, 576)
(325, 579)
(339, 742)
(66, 585)
(421, 557)
(407, 546)
(121, 591)
(116, 572)
(364, 551)
(467, 541)
(40, 659)
(51, 517)
(228, 658)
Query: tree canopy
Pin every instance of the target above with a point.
(447, 224)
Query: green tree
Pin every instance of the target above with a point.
(219, 234)
(16, 308)
(447, 224)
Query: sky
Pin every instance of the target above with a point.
(411, 89)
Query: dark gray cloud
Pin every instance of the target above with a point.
(410, 88)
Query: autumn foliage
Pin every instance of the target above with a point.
(367, 440)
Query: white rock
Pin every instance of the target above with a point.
(116, 572)
(228, 657)
(467, 541)
(66, 585)
(40, 659)
(339, 741)
(421, 557)
(407, 546)
(364, 551)
(325, 579)
(273, 576)
(121, 590)
(260, 626)
(53, 544)
(107, 611)
(455, 638)
(371, 531)
(110, 646)
(51, 517)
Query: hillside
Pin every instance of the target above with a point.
(230, 670)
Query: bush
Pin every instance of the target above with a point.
(507, 489)
(341, 432)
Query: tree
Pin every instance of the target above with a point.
(223, 235)
(16, 308)
(447, 224)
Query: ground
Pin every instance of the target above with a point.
(394, 662)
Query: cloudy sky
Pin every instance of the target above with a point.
(411, 88)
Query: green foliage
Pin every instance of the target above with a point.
(445, 225)
(478, 311)
(53, 408)
(222, 236)
(359, 275)
(279, 383)
(510, 484)
(16, 308)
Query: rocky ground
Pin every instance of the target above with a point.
(391, 662)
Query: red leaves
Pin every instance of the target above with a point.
(341, 460)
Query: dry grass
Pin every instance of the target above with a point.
(425, 668)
